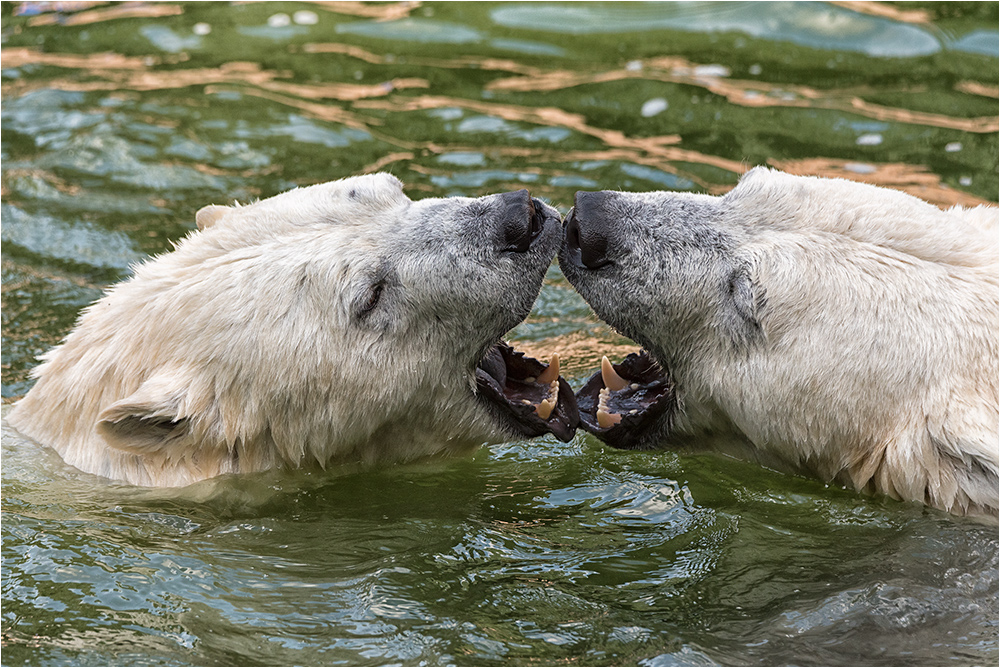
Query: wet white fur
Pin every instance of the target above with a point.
(881, 323)
(245, 340)
(868, 348)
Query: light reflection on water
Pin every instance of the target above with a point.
(120, 121)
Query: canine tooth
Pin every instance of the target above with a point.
(633, 386)
(606, 419)
(545, 407)
(552, 372)
(611, 379)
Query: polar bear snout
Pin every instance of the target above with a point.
(589, 229)
(523, 219)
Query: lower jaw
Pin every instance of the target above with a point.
(530, 398)
(628, 405)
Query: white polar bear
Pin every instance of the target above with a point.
(815, 325)
(335, 323)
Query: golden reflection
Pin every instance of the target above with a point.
(19, 276)
(344, 91)
(380, 11)
(124, 73)
(885, 10)
(323, 112)
(911, 179)
(527, 155)
(579, 352)
(22, 8)
(41, 175)
(83, 12)
(465, 62)
(549, 116)
(983, 124)
(387, 160)
(115, 72)
(125, 10)
(20, 56)
(976, 88)
(253, 191)
(743, 93)
(346, 50)
(651, 151)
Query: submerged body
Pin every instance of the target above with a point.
(815, 325)
(340, 322)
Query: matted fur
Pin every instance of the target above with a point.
(816, 325)
(251, 347)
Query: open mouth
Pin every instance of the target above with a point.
(622, 403)
(528, 395)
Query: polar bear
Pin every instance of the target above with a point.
(815, 325)
(335, 323)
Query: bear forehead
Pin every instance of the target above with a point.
(375, 191)
(357, 199)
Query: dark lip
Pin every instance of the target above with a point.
(572, 263)
(651, 395)
(540, 218)
(551, 226)
(571, 258)
(502, 381)
(571, 248)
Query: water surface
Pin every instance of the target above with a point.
(120, 121)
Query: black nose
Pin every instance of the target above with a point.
(588, 228)
(522, 220)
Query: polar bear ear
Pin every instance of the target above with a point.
(380, 190)
(210, 215)
(143, 423)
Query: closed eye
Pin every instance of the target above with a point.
(374, 295)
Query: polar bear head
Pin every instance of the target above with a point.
(335, 322)
(816, 325)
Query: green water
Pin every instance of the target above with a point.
(120, 121)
